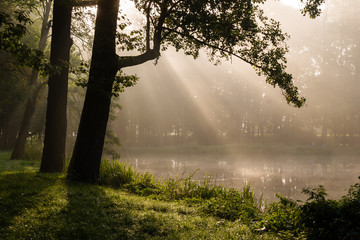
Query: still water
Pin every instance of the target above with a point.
(266, 174)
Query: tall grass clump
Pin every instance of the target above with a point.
(191, 190)
(119, 175)
(234, 205)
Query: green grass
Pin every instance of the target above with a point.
(132, 205)
(46, 206)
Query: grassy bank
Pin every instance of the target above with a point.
(130, 205)
(46, 206)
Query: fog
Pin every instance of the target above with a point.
(225, 121)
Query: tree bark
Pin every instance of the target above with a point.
(86, 158)
(53, 158)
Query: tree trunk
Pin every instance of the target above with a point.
(53, 158)
(7, 130)
(86, 158)
(19, 147)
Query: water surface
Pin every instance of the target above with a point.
(266, 174)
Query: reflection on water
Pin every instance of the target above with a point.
(267, 175)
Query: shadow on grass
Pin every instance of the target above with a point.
(19, 192)
(92, 214)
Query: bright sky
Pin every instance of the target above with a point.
(292, 3)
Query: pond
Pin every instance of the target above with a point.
(266, 174)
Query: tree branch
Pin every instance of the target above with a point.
(85, 3)
(128, 61)
(148, 26)
(212, 46)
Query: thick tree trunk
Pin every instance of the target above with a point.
(86, 158)
(55, 127)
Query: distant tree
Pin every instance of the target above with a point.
(225, 29)
(17, 53)
(34, 86)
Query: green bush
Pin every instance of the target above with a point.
(33, 149)
(331, 219)
(317, 218)
(283, 218)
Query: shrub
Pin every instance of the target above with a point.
(33, 149)
(330, 219)
(283, 218)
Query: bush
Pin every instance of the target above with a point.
(330, 219)
(33, 149)
(284, 218)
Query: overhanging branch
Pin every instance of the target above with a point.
(85, 3)
(213, 46)
(128, 61)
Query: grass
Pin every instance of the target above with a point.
(132, 205)
(46, 206)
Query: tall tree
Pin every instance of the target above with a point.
(53, 158)
(98, 96)
(225, 29)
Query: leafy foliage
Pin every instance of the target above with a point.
(224, 29)
(312, 7)
(13, 27)
(284, 218)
